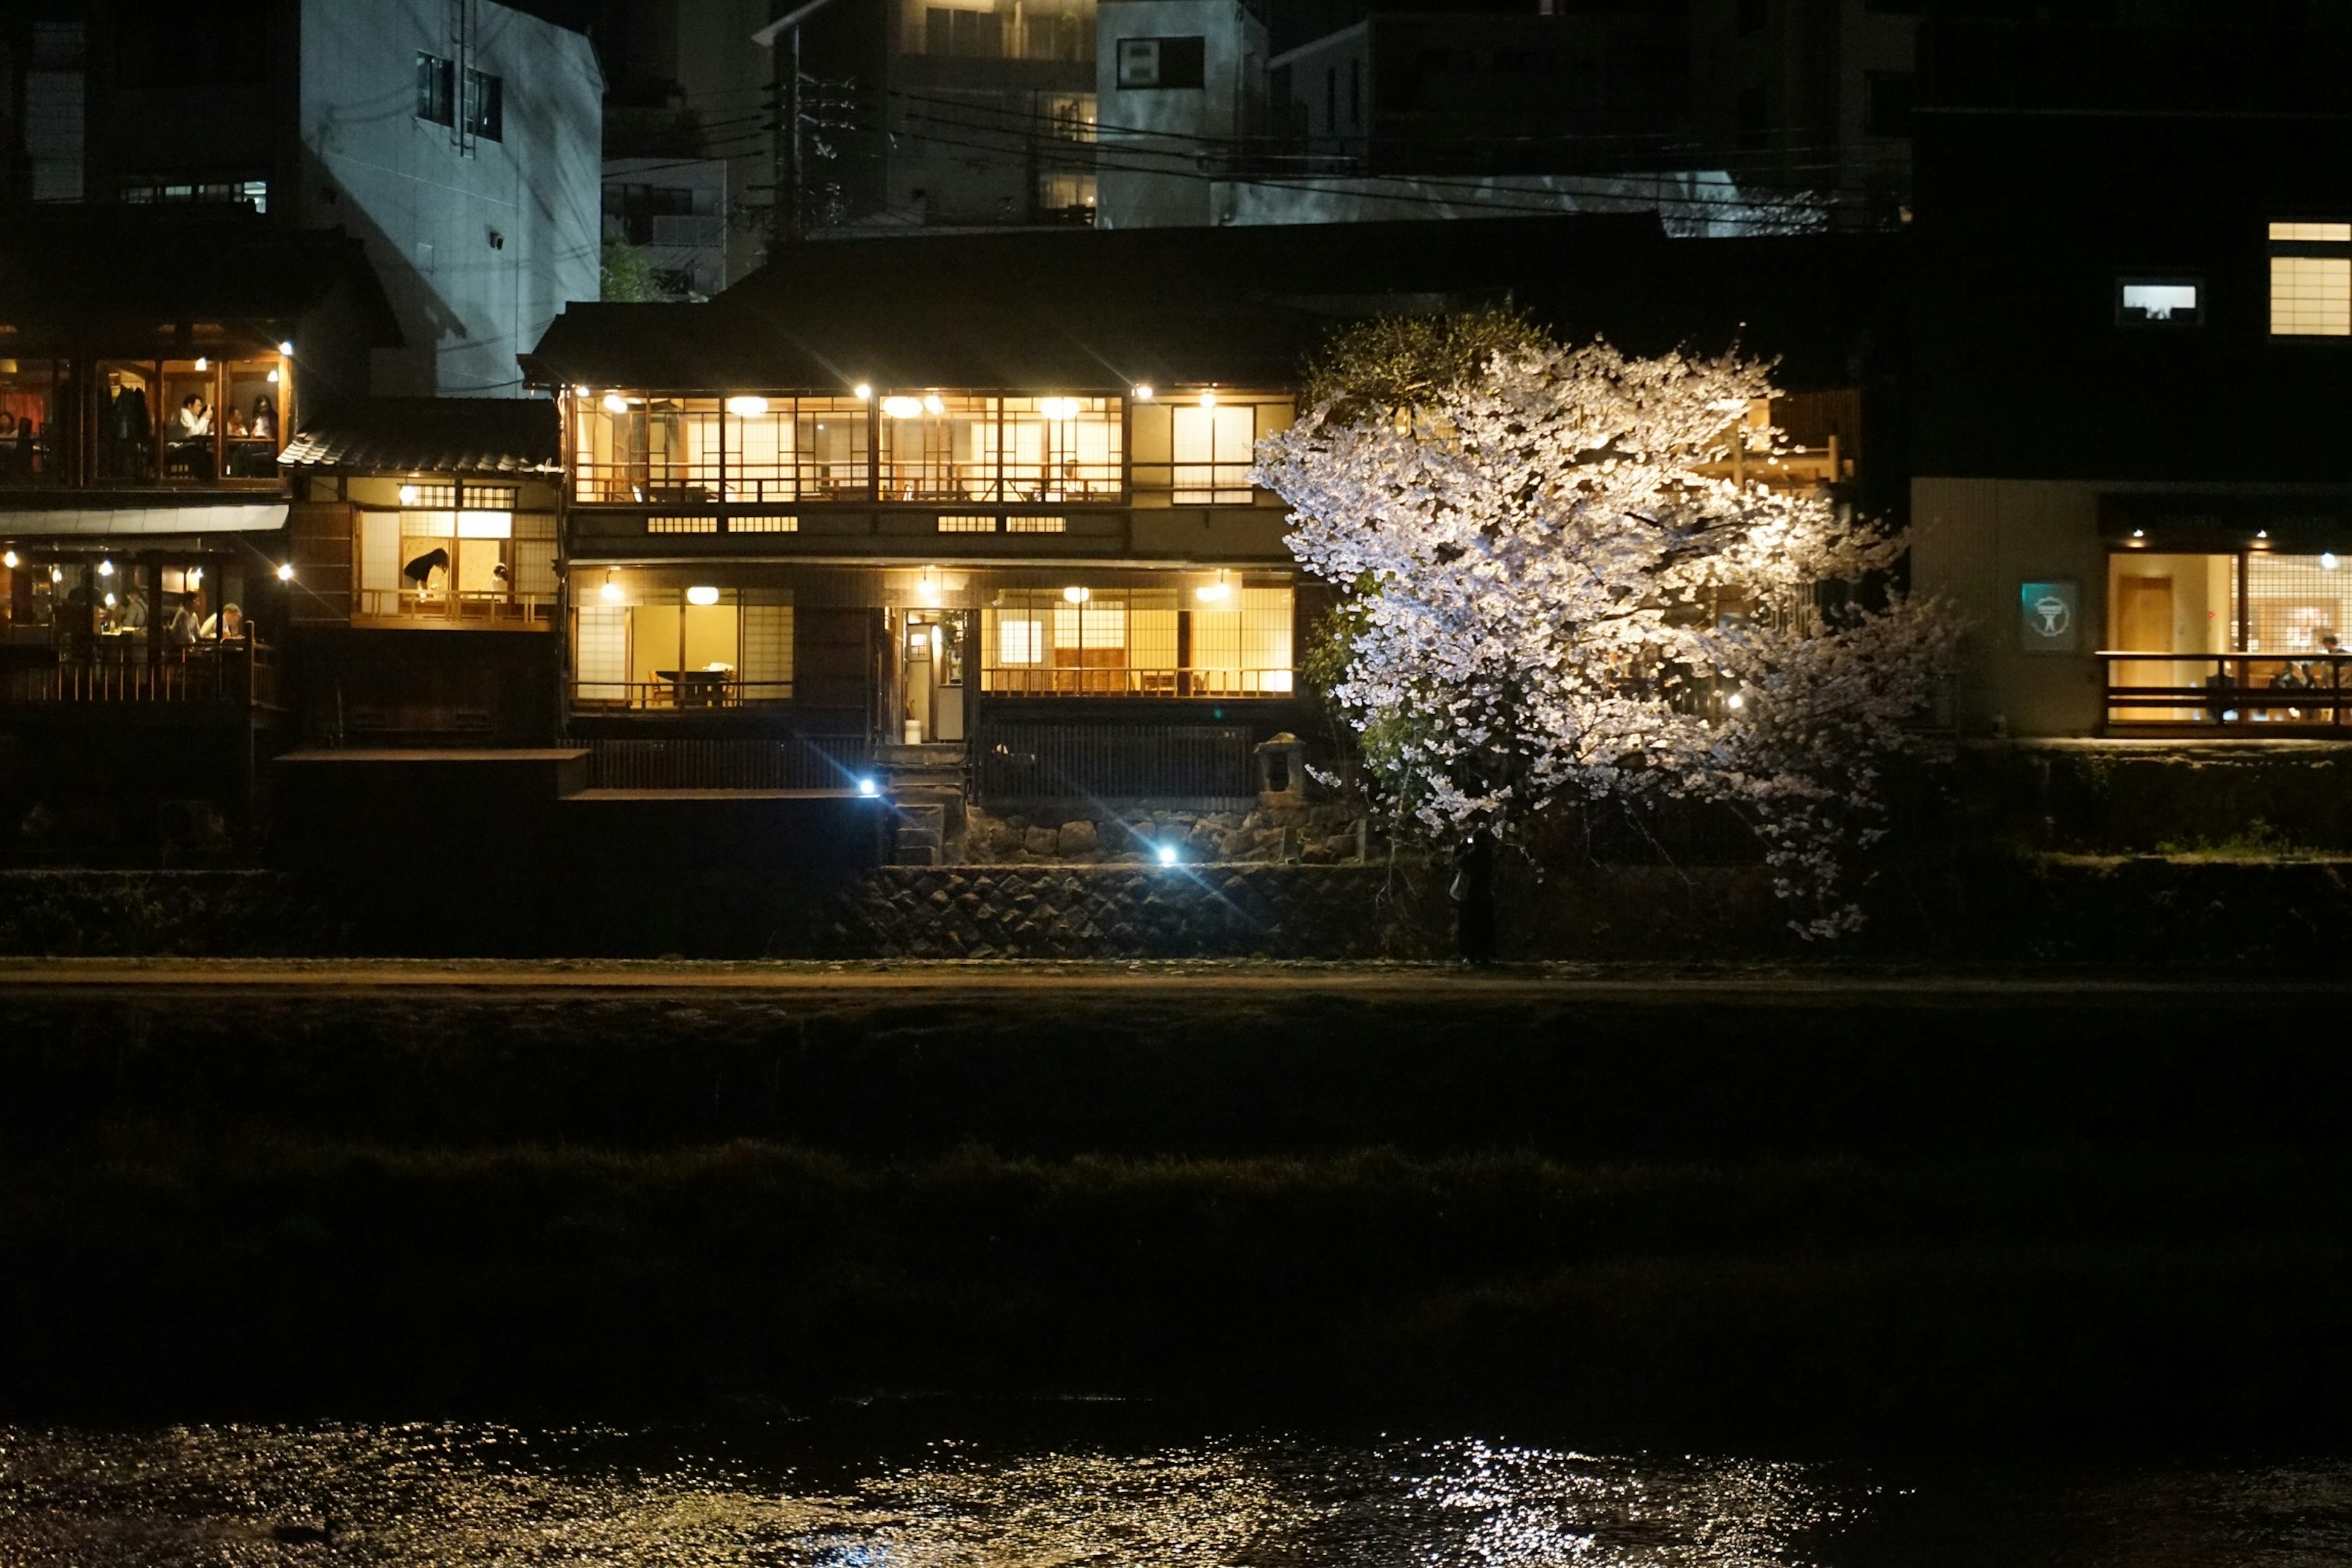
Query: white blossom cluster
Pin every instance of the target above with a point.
(1561, 598)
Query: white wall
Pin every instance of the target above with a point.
(1154, 130)
(427, 212)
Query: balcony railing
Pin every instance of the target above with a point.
(230, 674)
(678, 485)
(1044, 680)
(2269, 692)
(457, 609)
(681, 691)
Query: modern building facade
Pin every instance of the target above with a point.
(457, 142)
(2148, 535)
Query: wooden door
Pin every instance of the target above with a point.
(2144, 625)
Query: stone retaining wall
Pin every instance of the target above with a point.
(1317, 835)
(1110, 912)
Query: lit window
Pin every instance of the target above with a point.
(681, 525)
(1036, 525)
(2172, 302)
(1023, 641)
(2310, 280)
(967, 523)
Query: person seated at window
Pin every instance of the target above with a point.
(180, 628)
(235, 427)
(226, 626)
(264, 423)
(191, 436)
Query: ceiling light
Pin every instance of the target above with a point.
(1058, 407)
(611, 590)
(106, 568)
(2327, 561)
(1075, 595)
(285, 346)
(195, 575)
(1215, 593)
(2139, 533)
(286, 571)
(110, 601)
(9, 559)
(864, 392)
(1143, 392)
(273, 378)
(702, 594)
(1208, 400)
(615, 404)
(931, 404)
(902, 407)
(748, 407)
(408, 495)
(579, 392)
(203, 363)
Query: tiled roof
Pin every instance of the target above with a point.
(68, 271)
(431, 435)
(1086, 310)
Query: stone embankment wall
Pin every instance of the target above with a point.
(1111, 912)
(1268, 834)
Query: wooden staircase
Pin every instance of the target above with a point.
(926, 784)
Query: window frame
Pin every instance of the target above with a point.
(436, 90)
(2171, 323)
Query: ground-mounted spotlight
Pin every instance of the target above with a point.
(1167, 855)
(868, 788)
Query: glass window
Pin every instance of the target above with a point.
(438, 559)
(938, 447)
(2310, 280)
(129, 421)
(436, 90)
(680, 649)
(2176, 302)
(751, 450)
(35, 421)
(1062, 449)
(485, 106)
(1196, 449)
(1218, 639)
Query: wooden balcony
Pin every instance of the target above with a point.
(118, 671)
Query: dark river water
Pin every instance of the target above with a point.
(852, 1493)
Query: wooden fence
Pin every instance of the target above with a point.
(1196, 763)
(800, 762)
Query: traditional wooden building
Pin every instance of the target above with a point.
(984, 501)
(145, 571)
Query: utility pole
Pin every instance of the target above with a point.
(790, 213)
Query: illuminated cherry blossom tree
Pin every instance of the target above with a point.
(1557, 598)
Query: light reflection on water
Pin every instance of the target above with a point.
(454, 1495)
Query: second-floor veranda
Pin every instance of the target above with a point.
(185, 420)
(702, 452)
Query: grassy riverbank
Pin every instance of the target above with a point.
(1673, 1214)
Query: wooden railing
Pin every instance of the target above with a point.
(231, 674)
(465, 609)
(1207, 681)
(1017, 762)
(2233, 691)
(681, 691)
(800, 762)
